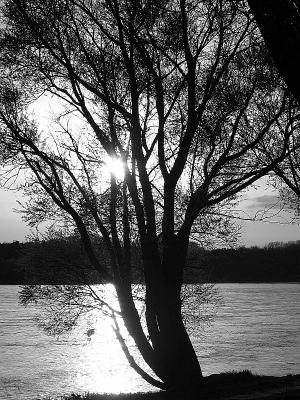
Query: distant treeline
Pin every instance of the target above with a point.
(275, 262)
(63, 261)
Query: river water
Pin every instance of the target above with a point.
(257, 327)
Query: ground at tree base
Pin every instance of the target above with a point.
(226, 386)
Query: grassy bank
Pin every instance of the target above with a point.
(232, 385)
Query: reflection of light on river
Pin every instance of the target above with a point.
(102, 364)
(102, 360)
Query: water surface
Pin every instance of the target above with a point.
(257, 328)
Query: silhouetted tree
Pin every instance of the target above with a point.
(183, 95)
(279, 23)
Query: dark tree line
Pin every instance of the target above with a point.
(54, 261)
(276, 262)
(31, 263)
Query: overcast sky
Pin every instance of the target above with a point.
(253, 233)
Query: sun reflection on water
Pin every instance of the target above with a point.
(103, 366)
(99, 372)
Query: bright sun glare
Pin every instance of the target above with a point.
(115, 167)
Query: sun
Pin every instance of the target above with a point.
(115, 166)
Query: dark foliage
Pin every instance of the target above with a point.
(64, 262)
(276, 262)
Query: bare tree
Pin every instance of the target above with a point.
(183, 94)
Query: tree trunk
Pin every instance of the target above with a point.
(279, 23)
(169, 353)
(171, 356)
(181, 365)
(167, 332)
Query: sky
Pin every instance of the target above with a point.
(252, 233)
(276, 229)
(278, 226)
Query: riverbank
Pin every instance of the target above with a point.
(226, 386)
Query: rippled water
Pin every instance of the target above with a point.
(257, 328)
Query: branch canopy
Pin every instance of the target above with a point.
(182, 96)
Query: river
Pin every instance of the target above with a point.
(257, 327)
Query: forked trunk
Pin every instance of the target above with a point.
(181, 364)
(169, 338)
(169, 353)
(175, 351)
